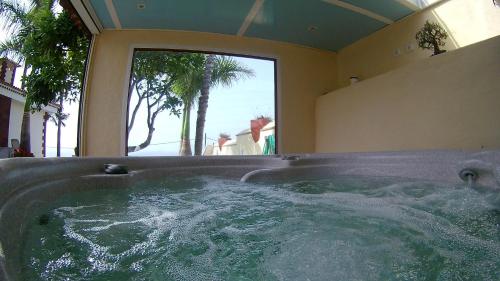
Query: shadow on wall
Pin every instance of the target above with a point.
(466, 22)
(449, 101)
(451, 43)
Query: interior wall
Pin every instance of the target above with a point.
(449, 101)
(467, 22)
(303, 75)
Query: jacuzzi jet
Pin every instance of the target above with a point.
(43, 219)
(469, 176)
(115, 169)
(290, 157)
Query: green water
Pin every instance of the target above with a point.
(211, 229)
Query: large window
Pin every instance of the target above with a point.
(192, 103)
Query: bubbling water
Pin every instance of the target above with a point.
(344, 228)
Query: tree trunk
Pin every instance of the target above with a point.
(203, 105)
(437, 50)
(25, 143)
(137, 106)
(59, 126)
(25, 70)
(185, 149)
(143, 145)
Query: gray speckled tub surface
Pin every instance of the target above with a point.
(27, 184)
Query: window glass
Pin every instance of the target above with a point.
(190, 103)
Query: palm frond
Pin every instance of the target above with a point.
(12, 49)
(15, 15)
(227, 70)
(187, 86)
(36, 4)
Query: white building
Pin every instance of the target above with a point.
(243, 144)
(12, 101)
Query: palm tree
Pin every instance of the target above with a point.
(219, 70)
(196, 82)
(17, 23)
(51, 46)
(187, 88)
(58, 119)
(203, 104)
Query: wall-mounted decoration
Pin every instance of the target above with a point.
(432, 36)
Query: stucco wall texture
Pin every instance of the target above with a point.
(449, 101)
(303, 75)
(406, 100)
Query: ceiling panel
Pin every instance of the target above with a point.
(292, 21)
(313, 23)
(388, 8)
(219, 16)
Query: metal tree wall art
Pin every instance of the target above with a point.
(432, 36)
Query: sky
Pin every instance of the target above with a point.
(230, 110)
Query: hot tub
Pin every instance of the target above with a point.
(355, 216)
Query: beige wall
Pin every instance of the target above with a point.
(303, 75)
(467, 22)
(450, 101)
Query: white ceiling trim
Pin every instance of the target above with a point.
(90, 9)
(408, 4)
(250, 17)
(113, 14)
(88, 15)
(359, 10)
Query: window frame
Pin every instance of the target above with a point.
(180, 50)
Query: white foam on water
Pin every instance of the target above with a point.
(60, 210)
(338, 229)
(65, 261)
(152, 221)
